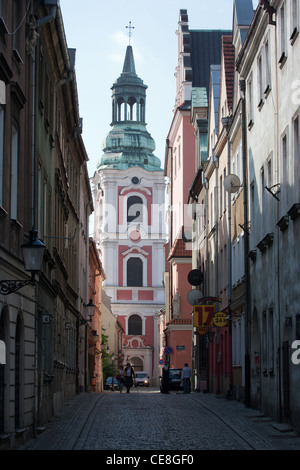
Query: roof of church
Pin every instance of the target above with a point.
(129, 65)
(129, 144)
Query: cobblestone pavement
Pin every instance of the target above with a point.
(145, 419)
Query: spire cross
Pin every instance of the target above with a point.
(130, 30)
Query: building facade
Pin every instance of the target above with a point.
(44, 186)
(129, 192)
(185, 157)
(268, 62)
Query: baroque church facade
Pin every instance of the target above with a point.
(129, 222)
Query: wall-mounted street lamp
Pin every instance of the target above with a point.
(91, 309)
(33, 252)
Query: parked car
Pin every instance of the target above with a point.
(141, 378)
(174, 379)
(110, 384)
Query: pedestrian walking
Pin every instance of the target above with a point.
(129, 376)
(165, 379)
(186, 377)
(120, 379)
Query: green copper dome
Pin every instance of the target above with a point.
(129, 144)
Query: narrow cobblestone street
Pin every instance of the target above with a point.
(145, 419)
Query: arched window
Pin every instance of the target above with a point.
(132, 109)
(134, 209)
(135, 326)
(135, 272)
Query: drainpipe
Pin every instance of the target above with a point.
(53, 9)
(277, 167)
(246, 245)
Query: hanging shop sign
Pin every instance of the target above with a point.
(220, 319)
(201, 330)
(203, 315)
(195, 277)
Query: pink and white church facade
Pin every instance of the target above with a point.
(129, 222)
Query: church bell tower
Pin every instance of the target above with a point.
(129, 222)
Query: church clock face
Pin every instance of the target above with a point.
(135, 180)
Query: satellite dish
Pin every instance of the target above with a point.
(195, 277)
(232, 183)
(194, 296)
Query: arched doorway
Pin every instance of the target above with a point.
(136, 363)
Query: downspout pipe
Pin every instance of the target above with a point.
(50, 17)
(246, 246)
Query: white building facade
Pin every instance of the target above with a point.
(269, 62)
(129, 227)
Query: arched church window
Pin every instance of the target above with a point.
(142, 111)
(134, 209)
(135, 326)
(132, 109)
(121, 110)
(135, 272)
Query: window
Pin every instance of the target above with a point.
(285, 179)
(135, 325)
(267, 85)
(262, 188)
(1, 153)
(135, 272)
(296, 150)
(221, 196)
(294, 20)
(284, 154)
(296, 141)
(17, 21)
(271, 341)
(134, 209)
(260, 81)
(14, 173)
(250, 102)
(282, 33)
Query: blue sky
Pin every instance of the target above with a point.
(97, 30)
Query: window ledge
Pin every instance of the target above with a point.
(282, 60)
(267, 91)
(260, 104)
(294, 36)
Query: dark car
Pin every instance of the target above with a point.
(174, 379)
(110, 385)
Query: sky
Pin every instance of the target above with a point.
(97, 30)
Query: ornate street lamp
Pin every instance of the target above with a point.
(33, 252)
(91, 309)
